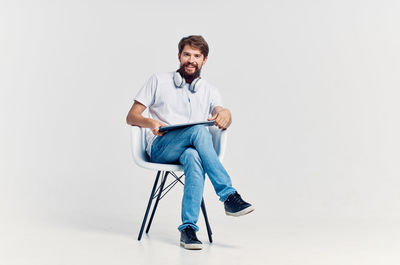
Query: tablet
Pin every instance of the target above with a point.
(184, 125)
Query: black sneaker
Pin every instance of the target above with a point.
(189, 239)
(236, 206)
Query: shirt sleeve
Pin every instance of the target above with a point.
(215, 99)
(146, 94)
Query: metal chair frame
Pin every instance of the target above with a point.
(159, 193)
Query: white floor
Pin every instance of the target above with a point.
(236, 241)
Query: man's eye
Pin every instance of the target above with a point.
(197, 56)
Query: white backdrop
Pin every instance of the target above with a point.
(313, 87)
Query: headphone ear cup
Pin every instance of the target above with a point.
(178, 80)
(195, 85)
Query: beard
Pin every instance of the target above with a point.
(189, 77)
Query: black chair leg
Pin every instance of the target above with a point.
(148, 205)
(209, 232)
(158, 199)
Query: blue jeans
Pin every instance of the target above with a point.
(193, 148)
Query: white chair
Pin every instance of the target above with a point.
(141, 158)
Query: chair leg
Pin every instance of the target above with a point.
(158, 199)
(148, 205)
(209, 232)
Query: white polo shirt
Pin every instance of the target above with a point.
(172, 105)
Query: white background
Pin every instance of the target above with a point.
(313, 87)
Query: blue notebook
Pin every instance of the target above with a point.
(184, 125)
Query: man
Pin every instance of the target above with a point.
(181, 97)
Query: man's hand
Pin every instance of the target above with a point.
(136, 118)
(223, 118)
(155, 126)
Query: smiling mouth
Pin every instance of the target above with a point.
(190, 68)
(190, 65)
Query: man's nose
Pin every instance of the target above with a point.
(191, 59)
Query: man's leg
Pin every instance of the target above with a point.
(194, 149)
(169, 148)
(193, 189)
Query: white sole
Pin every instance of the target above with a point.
(191, 246)
(242, 212)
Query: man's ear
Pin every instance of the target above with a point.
(205, 60)
(179, 56)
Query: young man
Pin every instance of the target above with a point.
(181, 97)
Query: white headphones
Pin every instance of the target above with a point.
(181, 82)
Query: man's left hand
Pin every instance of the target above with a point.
(223, 119)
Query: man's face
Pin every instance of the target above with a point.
(191, 60)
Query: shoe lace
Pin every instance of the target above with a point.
(237, 199)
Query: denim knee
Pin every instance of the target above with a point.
(199, 128)
(199, 131)
(190, 155)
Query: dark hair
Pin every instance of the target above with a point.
(195, 41)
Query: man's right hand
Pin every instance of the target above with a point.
(155, 125)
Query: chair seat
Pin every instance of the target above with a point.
(158, 166)
(141, 158)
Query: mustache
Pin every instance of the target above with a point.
(190, 64)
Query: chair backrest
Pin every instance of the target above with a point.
(219, 140)
(141, 158)
(138, 145)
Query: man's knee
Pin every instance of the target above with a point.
(199, 130)
(190, 155)
(193, 166)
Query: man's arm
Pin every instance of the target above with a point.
(222, 117)
(135, 117)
